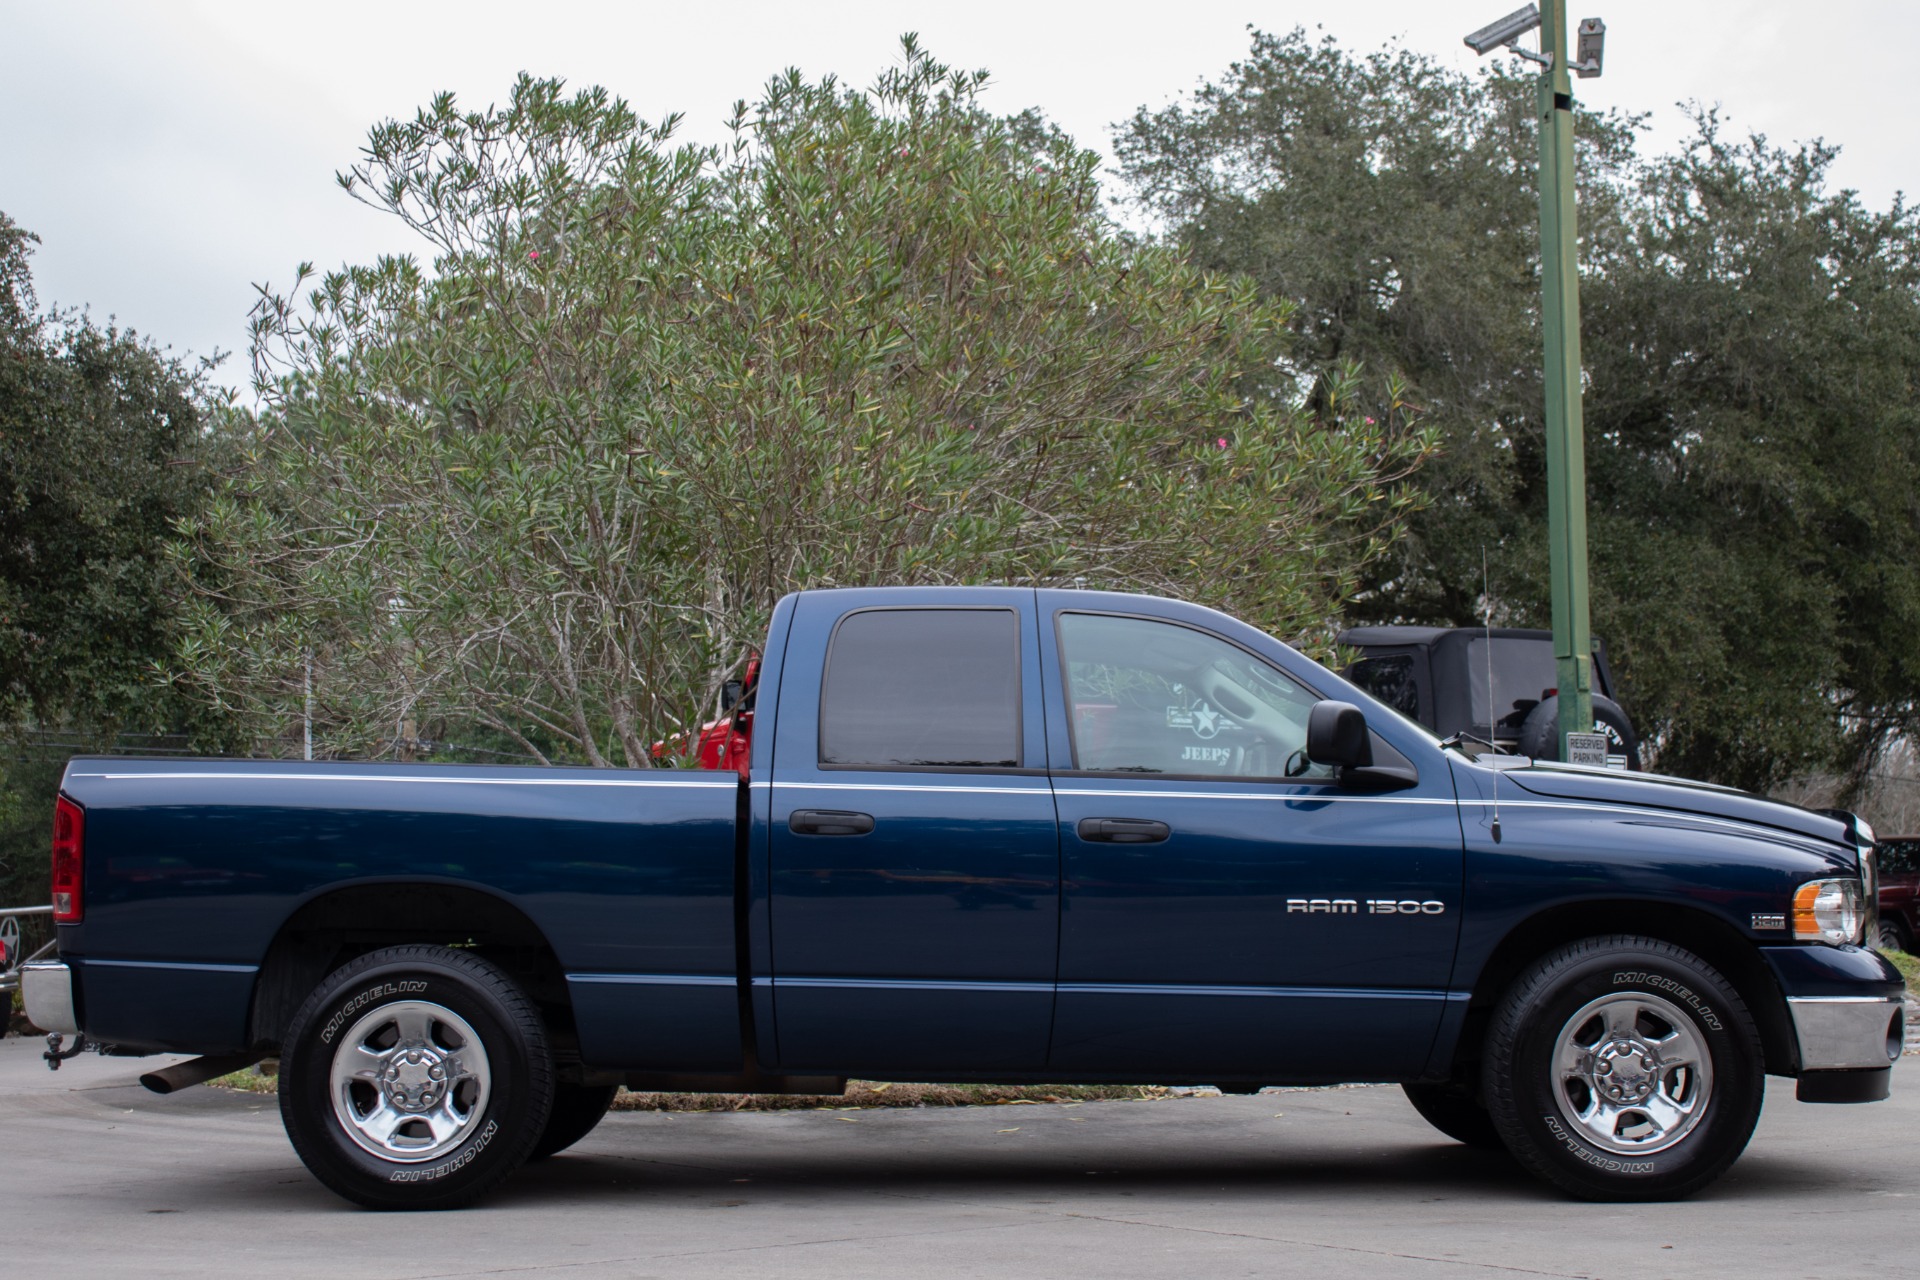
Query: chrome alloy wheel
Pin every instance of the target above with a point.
(1632, 1073)
(408, 1081)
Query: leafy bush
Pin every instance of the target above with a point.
(552, 486)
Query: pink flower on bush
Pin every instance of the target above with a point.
(533, 255)
(1221, 443)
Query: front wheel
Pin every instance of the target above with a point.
(1624, 1068)
(1892, 936)
(415, 1077)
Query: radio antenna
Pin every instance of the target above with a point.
(1486, 614)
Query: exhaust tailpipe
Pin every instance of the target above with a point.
(182, 1075)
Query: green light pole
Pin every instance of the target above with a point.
(1560, 325)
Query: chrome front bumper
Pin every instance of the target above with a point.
(47, 988)
(1848, 1033)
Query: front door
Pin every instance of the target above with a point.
(914, 859)
(1230, 911)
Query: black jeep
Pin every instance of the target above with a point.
(1440, 676)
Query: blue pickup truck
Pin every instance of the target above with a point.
(993, 834)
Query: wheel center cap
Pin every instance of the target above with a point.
(415, 1078)
(1625, 1071)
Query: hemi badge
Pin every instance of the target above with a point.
(1769, 922)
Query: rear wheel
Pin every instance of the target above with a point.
(577, 1111)
(1454, 1111)
(1624, 1068)
(416, 1077)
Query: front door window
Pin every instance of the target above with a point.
(1153, 697)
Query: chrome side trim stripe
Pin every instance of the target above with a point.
(1307, 797)
(654, 979)
(1041, 790)
(1110, 989)
(1308, 993)
(1094, 793)
(418, 778)
(167, 964)
(890, 984)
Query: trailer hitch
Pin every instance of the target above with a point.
(55, 1055)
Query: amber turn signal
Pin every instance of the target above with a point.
(1828, 911)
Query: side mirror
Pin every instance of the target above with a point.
(1337, 735)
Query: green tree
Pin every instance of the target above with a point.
(1749, 339)
(105, 442)
(1394, 206)
(1754, 462)
(553, 485)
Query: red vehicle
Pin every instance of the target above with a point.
(724, 743)
(1899, 892)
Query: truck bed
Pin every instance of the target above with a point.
(201, 863)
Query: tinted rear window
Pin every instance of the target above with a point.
(927, 687)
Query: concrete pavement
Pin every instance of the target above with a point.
(99, 1176)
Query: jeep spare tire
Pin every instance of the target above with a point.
(1540, 733)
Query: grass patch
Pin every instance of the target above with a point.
(860, 1095)
(1909, 967)
(246, 1081)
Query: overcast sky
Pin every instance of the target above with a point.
(173, 155)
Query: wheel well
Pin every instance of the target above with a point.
(336, 927)
(1719, 944)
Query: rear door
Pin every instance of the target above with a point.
(914, 856)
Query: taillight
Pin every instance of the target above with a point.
(69, 843)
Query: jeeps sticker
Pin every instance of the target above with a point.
(1201, 718)
(1659, 982)
(1207, 755)
(406, 986)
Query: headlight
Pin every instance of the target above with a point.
(1828, 911)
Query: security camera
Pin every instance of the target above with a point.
(1505, 31)
(1591, 47)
